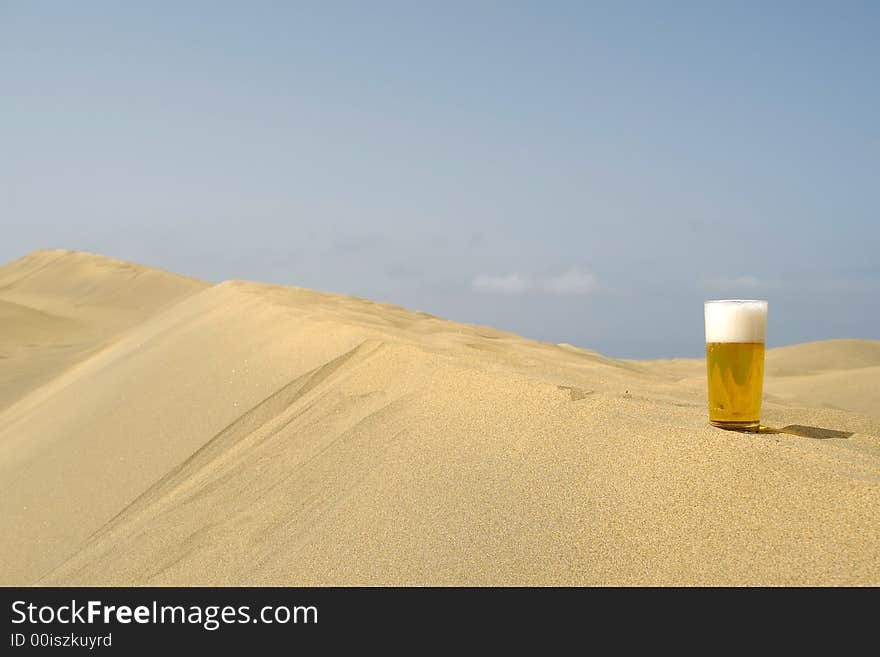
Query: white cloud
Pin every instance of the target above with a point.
(508, 284)
(741, 282)
(572, 282)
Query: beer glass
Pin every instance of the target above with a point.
(735, 334)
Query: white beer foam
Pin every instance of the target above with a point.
(736, 320)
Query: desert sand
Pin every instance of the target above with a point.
(160, 430)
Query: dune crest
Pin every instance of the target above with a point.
(58, 308)
(83, 282)
(244, 433)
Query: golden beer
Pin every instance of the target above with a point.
(735, 334)
(736, 379)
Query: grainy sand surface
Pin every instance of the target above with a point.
(156, 429)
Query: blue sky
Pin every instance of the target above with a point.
(574, 172)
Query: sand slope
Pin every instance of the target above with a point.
(253, 434)
(59, 307)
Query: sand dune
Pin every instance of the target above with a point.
(826, 356)
(244, 433)
(59, 307)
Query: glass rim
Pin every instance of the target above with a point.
(736, 301)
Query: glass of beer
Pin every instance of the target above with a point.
(735, 334)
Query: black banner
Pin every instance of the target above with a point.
(127, 619)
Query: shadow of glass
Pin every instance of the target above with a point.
(817, 433)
